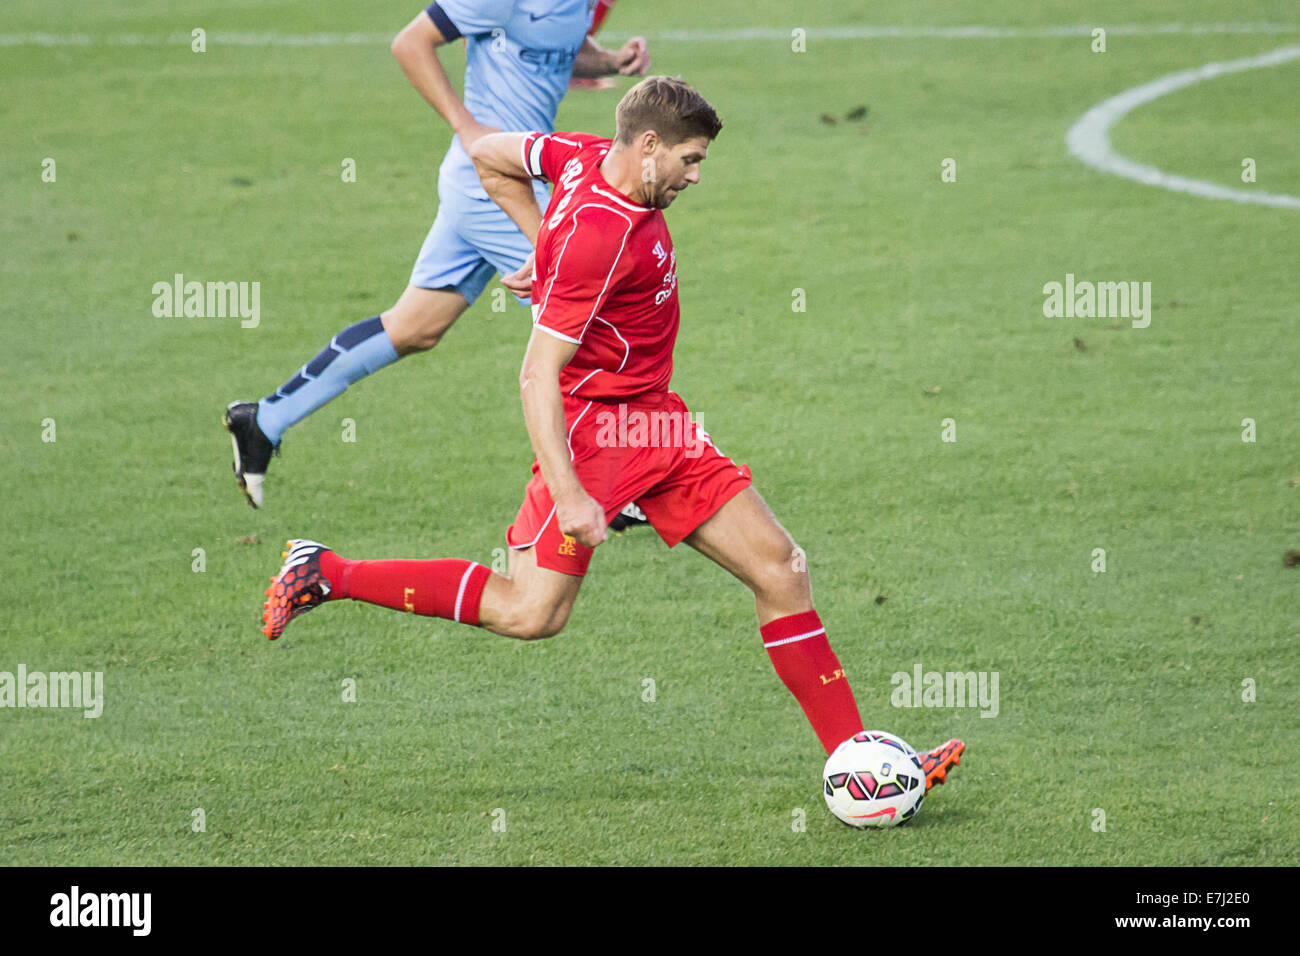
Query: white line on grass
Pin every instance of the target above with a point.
(865, 32)
(1089, 137)
(862, 32)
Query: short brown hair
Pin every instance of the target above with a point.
(668, 105)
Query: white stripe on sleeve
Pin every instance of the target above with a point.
(533, 160)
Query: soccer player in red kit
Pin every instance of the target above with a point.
(604, 427)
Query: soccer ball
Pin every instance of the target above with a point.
(873, 779)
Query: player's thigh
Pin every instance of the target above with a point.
(420, 317)
(533, 602)
(744, 537)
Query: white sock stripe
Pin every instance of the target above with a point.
(797, 637)
(460, 594)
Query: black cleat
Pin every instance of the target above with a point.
(626, 518)
(253, 449)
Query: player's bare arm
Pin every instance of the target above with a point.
(578, 514)
(631, 59)
(416, 50)
(498, 160)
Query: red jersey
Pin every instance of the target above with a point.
(605, 274)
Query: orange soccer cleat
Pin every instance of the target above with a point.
(299, 587)
(936, 763)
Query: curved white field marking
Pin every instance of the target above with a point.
(1089, 137)
(862, 32)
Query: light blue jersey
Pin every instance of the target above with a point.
(518, 60)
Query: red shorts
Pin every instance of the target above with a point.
(648, 452)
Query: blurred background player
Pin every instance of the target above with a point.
(605, 322)
(517, 68)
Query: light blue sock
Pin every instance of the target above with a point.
(359, 350)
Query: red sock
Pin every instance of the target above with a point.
(449, 588)
(602, 9)
(809, 668)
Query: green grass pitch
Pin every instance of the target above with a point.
(1119, 691)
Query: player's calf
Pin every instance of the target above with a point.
(361, 349)
(744, 537)
(531, 604)
(528, 623)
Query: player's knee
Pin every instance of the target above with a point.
(784, 578)
(412, 330)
